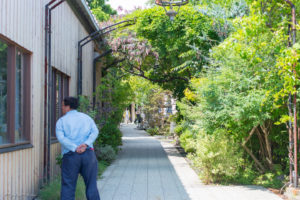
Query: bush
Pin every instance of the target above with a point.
(110, 135)
(187, 141)
(153, 131)
(217, 157)
(105, 153)
(269, 180)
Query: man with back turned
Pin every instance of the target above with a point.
(77, 132)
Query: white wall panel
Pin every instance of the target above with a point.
(23, 22)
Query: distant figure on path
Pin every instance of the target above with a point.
(77, 132)
(127, 115)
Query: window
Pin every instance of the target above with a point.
(4, 137)
(60, 83)
(14, 95)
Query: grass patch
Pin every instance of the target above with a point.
(51, 191)
(102, 165)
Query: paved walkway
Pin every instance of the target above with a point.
(147, 169)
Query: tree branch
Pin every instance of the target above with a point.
(142, 74)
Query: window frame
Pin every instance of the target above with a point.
(64, 91)
(12, 49)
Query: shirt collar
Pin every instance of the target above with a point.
(71, 111)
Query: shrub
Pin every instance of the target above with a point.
(187, 141)
(217, 157)
(164, 131)
(105, 153)
(58, 159)
(268, 180)
(181, 127)
(153, 131)
(110, 135)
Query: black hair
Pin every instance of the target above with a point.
(72, 102)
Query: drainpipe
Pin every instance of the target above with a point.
(295, 175)
(45, 86)
(48, 82)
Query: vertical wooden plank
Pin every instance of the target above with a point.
(4, 18)
(18, 175)
(8, 19)
(1, 18)
(24, 23)
(54, 155)
(53, 44)
(28, 171)
(30, 24)
(23, 173)
(21, 34)
(20, 21)
(64, 30)
(58, 39)
(1, 173)
(13, 20)
(25, 187)
(16, 19)
(5, 164)
(51, 159)
(9, 175)
(32, 171)
(13, 174)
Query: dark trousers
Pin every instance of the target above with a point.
(74, 163)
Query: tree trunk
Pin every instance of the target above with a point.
(259, 166)
(261, 140)
(266, 130)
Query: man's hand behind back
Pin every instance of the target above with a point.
(81, 148)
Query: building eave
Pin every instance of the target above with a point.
(84, 14)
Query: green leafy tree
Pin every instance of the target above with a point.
(173, 61)
(115, 95)
(101, 10)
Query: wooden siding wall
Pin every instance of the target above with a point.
(54, 168)
(21, 171)
(66, 32)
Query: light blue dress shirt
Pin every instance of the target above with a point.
(75, 128)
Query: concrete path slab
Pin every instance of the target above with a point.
(152, 169)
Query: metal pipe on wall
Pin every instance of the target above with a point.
(48, 86)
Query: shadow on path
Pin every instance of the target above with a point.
(141, 171)
(152, 169)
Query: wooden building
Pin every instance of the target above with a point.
(24, 101)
